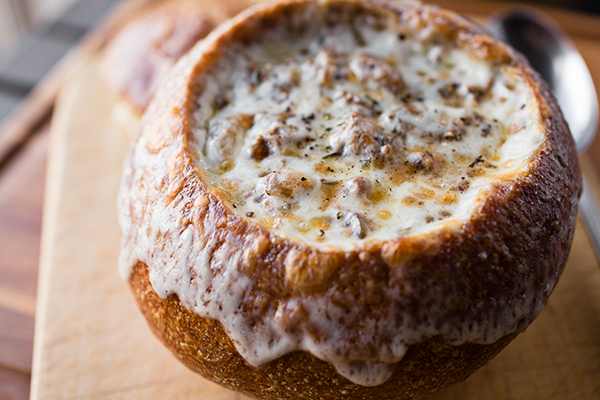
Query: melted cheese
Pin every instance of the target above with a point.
(348, 133)
(334, 134)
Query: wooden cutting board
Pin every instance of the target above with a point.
(92, 343)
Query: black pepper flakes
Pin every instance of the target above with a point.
(478, 160)
(448, 90)
(220, 102)
(445, 213)
(256, 77)
(332, 155)
(486, 130)
(308, 118)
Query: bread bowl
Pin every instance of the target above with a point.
(147, 44)
(346, 199)
(142, 48)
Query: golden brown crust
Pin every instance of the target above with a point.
(204, 347)
(514, 247)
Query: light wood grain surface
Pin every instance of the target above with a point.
(21, 195)
(21, 199)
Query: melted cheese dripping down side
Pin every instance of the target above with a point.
(337, 136)
(348, 134)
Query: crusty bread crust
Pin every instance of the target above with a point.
(516, 245)
(203, 346)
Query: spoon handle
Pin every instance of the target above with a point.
(590, 212)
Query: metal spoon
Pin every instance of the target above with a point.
(557, 60)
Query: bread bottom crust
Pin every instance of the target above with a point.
(204, 347)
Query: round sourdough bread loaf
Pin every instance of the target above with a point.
(148, 43)
(143, 48)
(347, 199)
(145, 45)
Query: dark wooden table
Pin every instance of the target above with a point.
(23, 161)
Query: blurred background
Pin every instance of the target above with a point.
(21, 16)
(36, 34)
